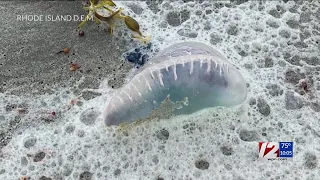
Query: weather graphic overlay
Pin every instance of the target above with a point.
(275, 150)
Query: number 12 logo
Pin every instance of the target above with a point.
(268, 149)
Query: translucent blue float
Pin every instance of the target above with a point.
(188, 70)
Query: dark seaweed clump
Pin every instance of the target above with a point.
(138, 56)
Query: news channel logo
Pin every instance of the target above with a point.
(276, 151)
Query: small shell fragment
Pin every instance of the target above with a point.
(74, 66)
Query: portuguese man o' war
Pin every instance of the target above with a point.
(189, 70)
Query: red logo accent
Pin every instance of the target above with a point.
(268, 147)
